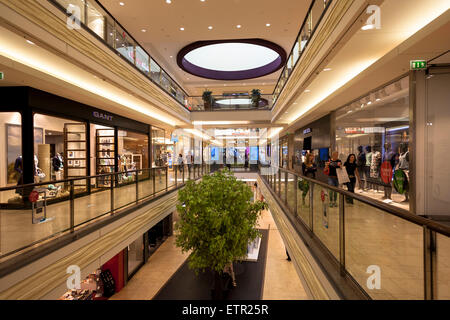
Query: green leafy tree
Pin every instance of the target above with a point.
(217, 220)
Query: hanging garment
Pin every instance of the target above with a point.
(375, 165)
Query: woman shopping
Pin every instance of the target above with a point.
(352, 172)
(309, 169)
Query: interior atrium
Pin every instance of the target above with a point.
(217, 150)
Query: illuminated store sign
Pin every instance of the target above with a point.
(103, 116)
(364, 130)
(306, 131)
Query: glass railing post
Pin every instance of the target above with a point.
(154, 180)
(311, 205)
(183, 172)
(342, 233)
(175, 168)
(167, 179)
(285, 187)
(295, 195)
(72, 207)
(429, 243)
(279, 183)
(112, 191)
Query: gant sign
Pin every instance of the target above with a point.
(103, 116)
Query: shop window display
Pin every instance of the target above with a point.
(135, 255)
(158, 143)
(11, 164)
(376, 129)
(60, 152)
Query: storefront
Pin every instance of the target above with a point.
(315, 138)
(112, 277)
(375, 128)
(70, 140)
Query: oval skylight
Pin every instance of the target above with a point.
(234, 101)
(231, 56)
(231, 59)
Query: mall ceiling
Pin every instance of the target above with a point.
(163, 38)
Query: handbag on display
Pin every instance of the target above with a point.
(342, 175)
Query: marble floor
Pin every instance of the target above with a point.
(280, 281)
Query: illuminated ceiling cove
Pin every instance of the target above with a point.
(231, 59)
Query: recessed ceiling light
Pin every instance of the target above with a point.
(327, 69)
(30, 42)
(182, 29)
(144, 30)
(171, 56)
(307, 90)
(169, 1)
(295, 102)
(238, 26)
(369, 103)
(378, 99)
(267, 24)
(121, 3)
(202, 0)
(210, 27)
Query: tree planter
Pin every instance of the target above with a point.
(217, 221)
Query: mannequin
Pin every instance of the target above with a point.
(403, 164)
(388, 156)
(18, 167)
(361, 162)
(58, 166)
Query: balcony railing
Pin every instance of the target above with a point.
(389, 252)
(95, 19)
(53, 208)
(224, 102)
(313, 18)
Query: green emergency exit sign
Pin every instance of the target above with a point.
(2, 76)
(418, 64)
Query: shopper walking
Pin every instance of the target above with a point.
(180, 162)
(330, 167)
(309, 169)
(351, 167)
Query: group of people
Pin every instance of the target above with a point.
(309, 169)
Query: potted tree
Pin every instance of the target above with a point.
(207, 99)
(217, 221)
(256, 98)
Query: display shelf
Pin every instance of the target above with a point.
(75, 150)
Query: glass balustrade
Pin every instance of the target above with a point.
(381, 248)
(42, 214)
(94, 18)
(312, 20)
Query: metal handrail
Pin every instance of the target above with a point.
(399, 212)
(110, 16)
(113, 209)
(29, 185)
